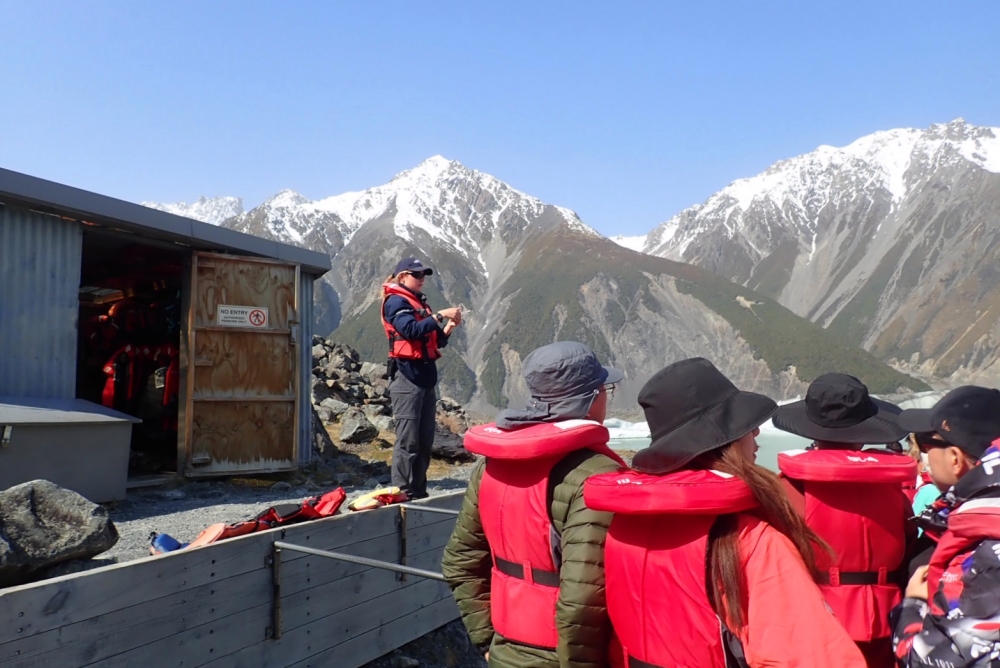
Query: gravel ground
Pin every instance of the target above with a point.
(182, 512)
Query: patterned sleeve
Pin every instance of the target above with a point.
(969, 635)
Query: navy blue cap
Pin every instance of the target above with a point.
(411, 264)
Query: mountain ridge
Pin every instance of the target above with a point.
(530, 273)
(877, 241)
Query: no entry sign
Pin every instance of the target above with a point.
(241, 316)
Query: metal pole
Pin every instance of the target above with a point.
(401, 523)
(429, 509)
(276, 584)
(350, 558)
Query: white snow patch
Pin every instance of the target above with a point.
(632, 243)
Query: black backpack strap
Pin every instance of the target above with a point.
(735, 656)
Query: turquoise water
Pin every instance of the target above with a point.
(633, 436)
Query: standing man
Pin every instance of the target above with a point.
(951, 613)
(416, 335)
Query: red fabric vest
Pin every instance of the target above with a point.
(124, 375)
(514, 509)
(399, 347)
(654, 561)
(855, 502)
(968, 525)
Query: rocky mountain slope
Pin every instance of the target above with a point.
(208, 210)
(891, 243)
(529, 273)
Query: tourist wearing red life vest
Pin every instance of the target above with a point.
(526, 557)
(707, 563)
(855, 501)
(951, 613)
(416, 335)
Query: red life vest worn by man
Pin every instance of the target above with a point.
(855, 501)
(525, 561)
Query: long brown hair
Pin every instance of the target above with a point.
(725, 573)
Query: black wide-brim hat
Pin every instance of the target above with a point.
(692, 408)
(838, 409)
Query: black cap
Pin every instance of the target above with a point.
(411, 264)
(838, 408)
(967, 417)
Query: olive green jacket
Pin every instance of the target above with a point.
(581, 612)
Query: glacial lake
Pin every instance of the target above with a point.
(634, 436)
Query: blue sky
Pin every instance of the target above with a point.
(626, 112)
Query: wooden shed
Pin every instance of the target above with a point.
(197, 334)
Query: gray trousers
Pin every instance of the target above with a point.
(413, 410)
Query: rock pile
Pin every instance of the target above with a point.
(355, 395)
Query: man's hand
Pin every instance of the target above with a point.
(917, 587)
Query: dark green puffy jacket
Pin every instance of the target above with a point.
(581, 613)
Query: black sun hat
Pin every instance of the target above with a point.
(692, 408)
(967, 417)
(838, 408)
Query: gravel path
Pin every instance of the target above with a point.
(184, 511)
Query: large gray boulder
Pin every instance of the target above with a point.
(449, 446)
(322, 443)
(43, 524)
(372, 372)
(355, 427)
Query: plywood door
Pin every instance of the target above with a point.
(243, 380)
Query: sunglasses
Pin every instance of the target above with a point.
(416, 274)
(927, 442)
(610, 389)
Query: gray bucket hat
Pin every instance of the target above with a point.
(563, 379)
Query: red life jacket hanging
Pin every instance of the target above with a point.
(124, 370)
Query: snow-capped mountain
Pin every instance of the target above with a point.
(529, 273)
(439, 199)
(891, 242)
(212, 210)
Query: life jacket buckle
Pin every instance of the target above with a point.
(834, 576)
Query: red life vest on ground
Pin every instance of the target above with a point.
(654, 562)
(514, 509)
(399, 347)
(854, 501)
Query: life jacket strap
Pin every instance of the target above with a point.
(636, 663)
(537, 576)
(839, 578)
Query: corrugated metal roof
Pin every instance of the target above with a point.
(20, 188)
(40, 259)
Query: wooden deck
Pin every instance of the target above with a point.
(213, 606)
